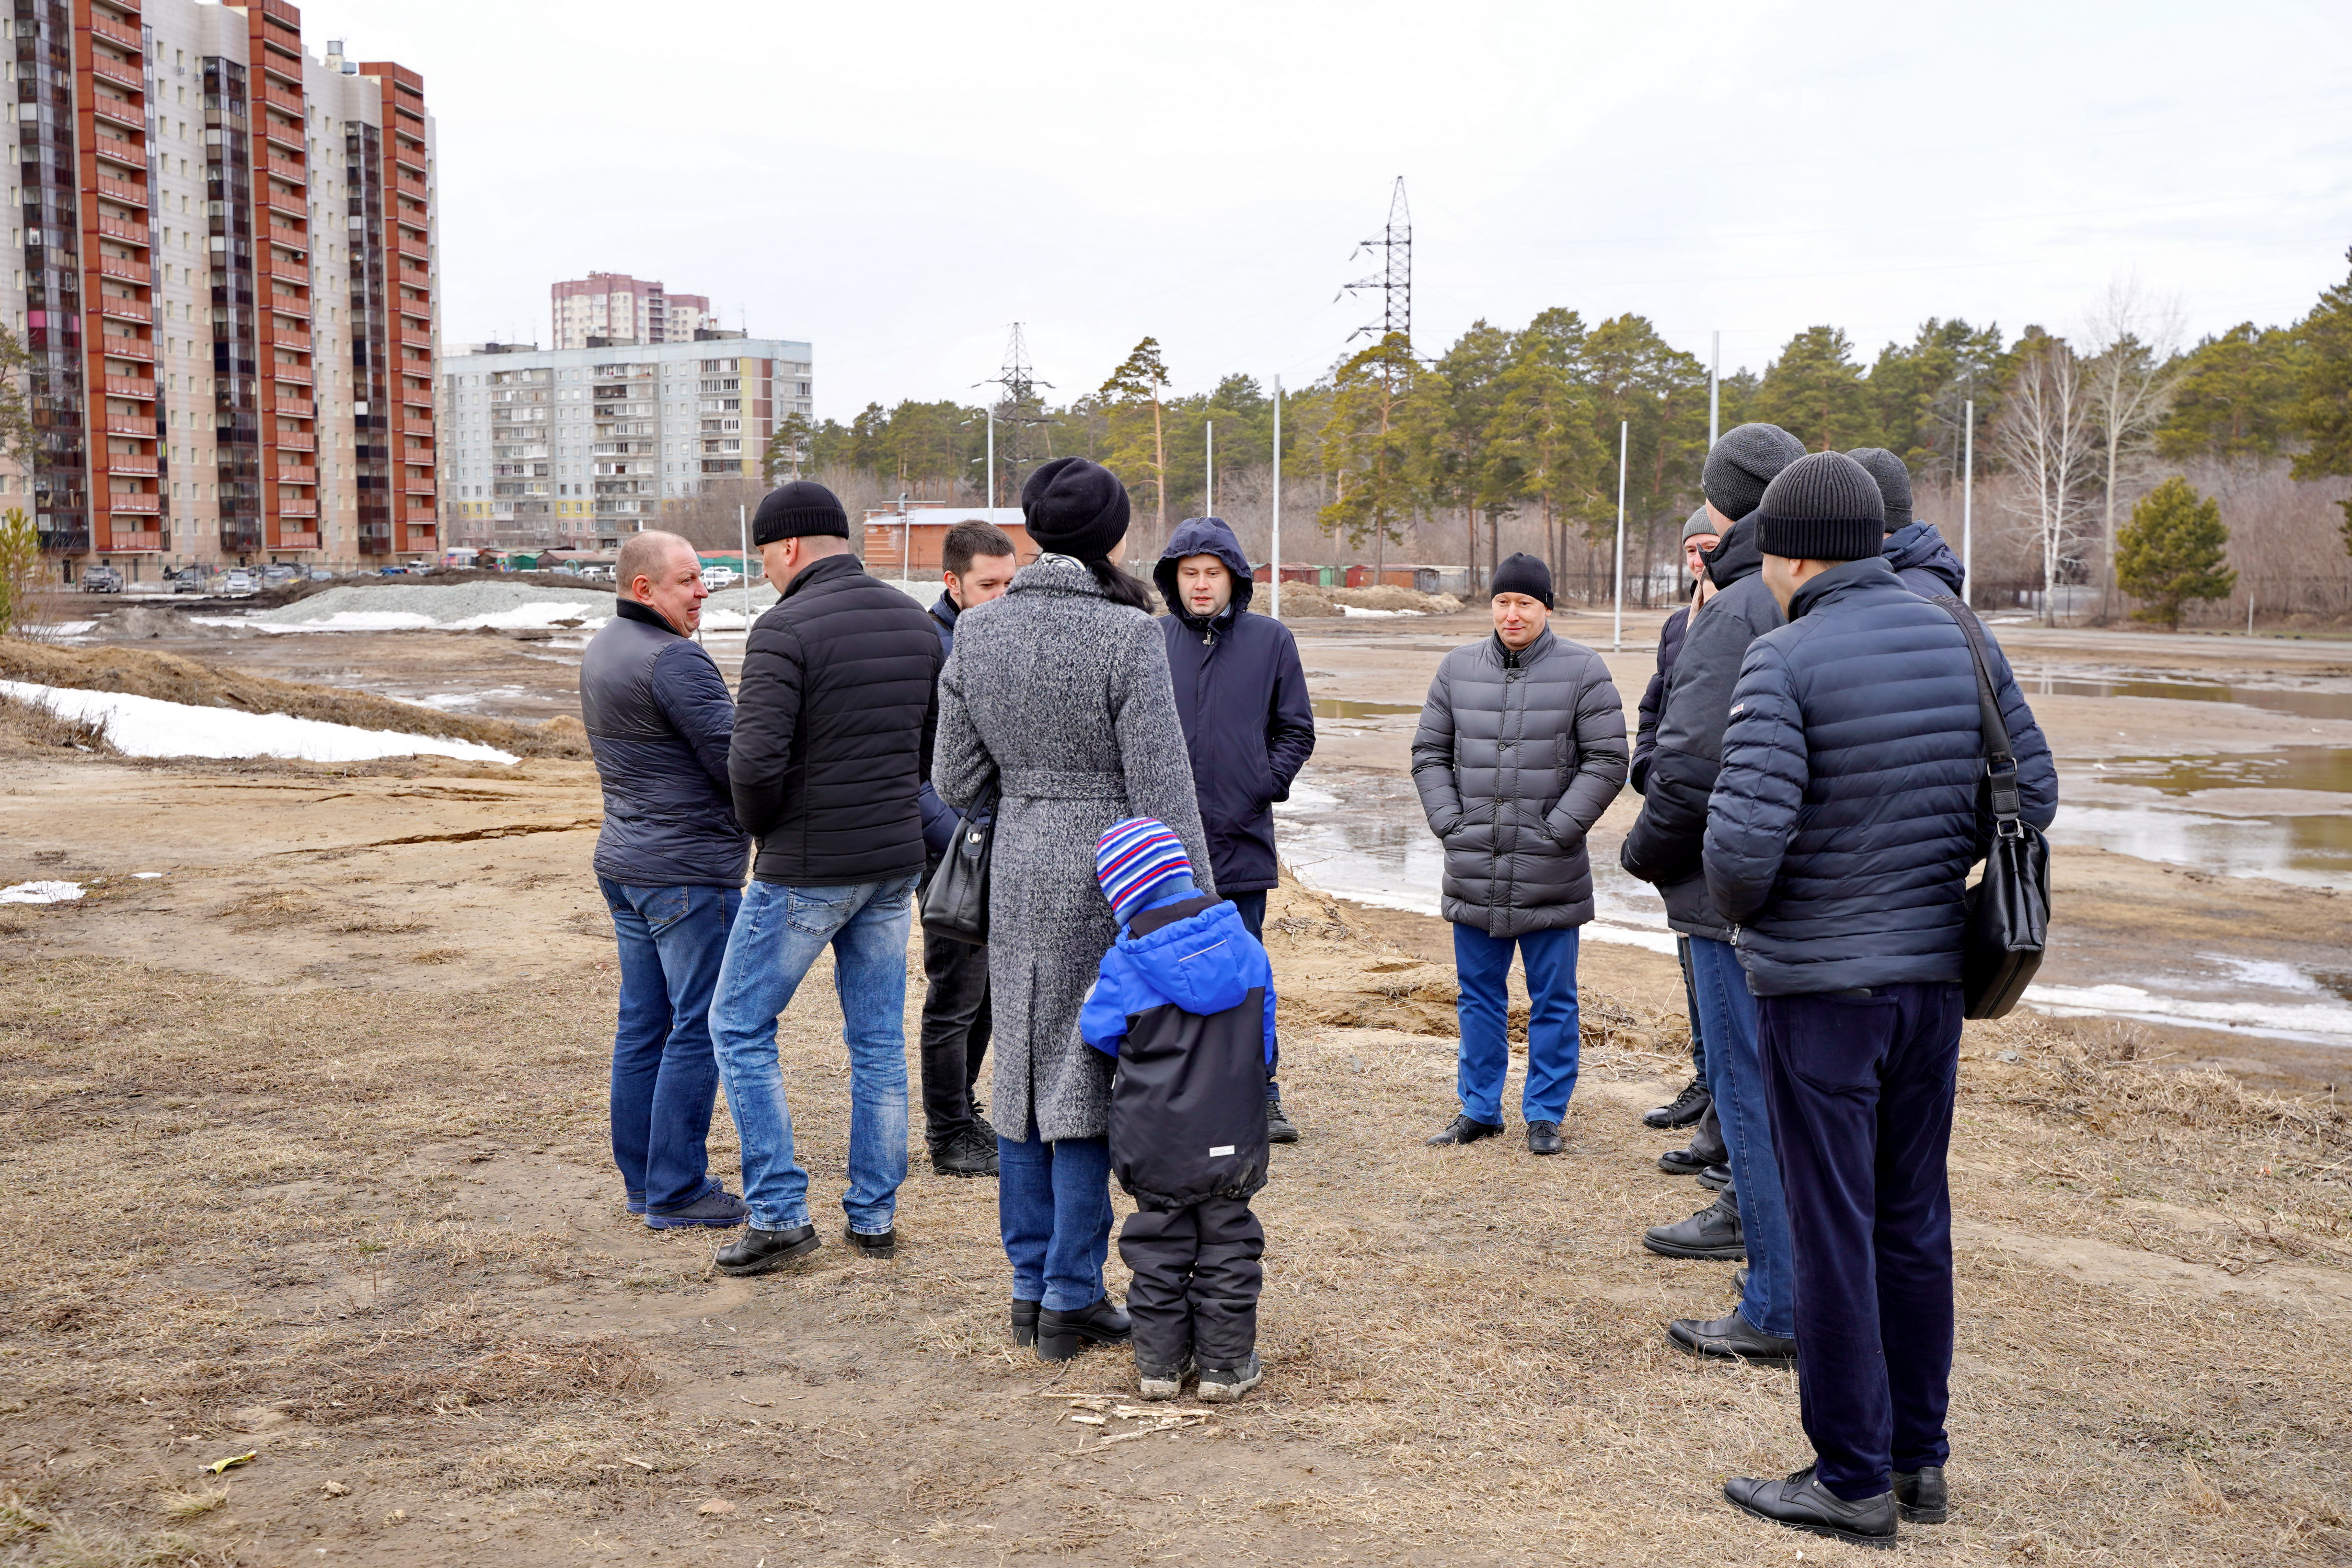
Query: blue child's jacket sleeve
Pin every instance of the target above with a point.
(1102, 1022)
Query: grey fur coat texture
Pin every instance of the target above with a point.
(1065, 694)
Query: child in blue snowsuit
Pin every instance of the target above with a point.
(1184, 999)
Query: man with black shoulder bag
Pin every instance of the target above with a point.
(1878, 748)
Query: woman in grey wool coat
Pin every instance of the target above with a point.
(1060, 689)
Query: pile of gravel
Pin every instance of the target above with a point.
(397, 607)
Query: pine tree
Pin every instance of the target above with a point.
(2324, 404)
(2235, 398)
(1367, 442)
(2171, 550)
(1136, 383)
(1815, 392)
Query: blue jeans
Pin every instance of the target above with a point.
(664, 1074)
(777, 936)
(1053, 1202)
(1735, 1071)
(1250, 907)
(1483, 964)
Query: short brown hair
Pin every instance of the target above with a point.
(969, 538)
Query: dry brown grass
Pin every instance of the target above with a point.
(142, 672)
(34, 728)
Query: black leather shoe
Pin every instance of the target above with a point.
(1683, 1109)
(1712, 1235)
(760, 1250)
(883, 1246)
(1060, 1335)
(1024, 1322)
(1733, 1338)
(1714, 1178)
(1920, 1495)
(964, 1154)
(1801, 1502)
(1739, 1281)
(1464, 1131)
(1683, 1162)
(1278, 1128)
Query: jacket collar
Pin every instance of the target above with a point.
(1520, 658)
(841, 564)
(1736, 555)
(1054, 573)
(631, 610)
(1870, 572)
(946, 611)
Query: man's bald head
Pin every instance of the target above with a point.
(662, 570)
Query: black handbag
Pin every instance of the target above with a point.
(955, 900)
(2009, 908)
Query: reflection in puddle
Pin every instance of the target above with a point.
(2311, 851)
(2308, 704)
(2326, 768)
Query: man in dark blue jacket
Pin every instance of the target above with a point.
(1849, 808)
(1248, 723)
(977, 563)
(669, 860)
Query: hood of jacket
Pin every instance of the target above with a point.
(1919, 547)
(1736, 555)
(1203, 536)
(1199, 962)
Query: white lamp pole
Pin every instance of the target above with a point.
(991, 456)
(743, 522)
(1714, 395)
(1624, 438)
(1969, 505)
(1275, 569)
(1209, 487)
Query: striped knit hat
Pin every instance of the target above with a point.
(1134, 856)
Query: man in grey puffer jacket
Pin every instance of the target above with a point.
(1521, 748)
(1748, 1219)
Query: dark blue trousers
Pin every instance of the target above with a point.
(1250, 907)
(1860, 1090)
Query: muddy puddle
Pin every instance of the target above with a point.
(2219, 814)
(1361, 835)
(2304, 702)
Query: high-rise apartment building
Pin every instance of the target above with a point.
(227, 288)
(576, 448)
(608, 308)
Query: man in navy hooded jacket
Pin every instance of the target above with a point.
(1247, 720)
(1849, 807)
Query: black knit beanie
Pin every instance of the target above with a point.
(1894, 483)
(1822, 507)
(803, 507)
(1073, 506)
(1523, 573)
(1742, 463)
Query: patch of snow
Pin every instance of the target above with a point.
(1359, 610)
(147, 727)
(146, 876)
(41, 893)
(2317, 1023)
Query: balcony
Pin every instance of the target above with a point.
(142, 463)
(131, 386)
(281, 338)
(288, 202)
(291, 238)
(412, 426)
(297, 441)
(123, 539)
(129, 272)
(298, 538)
(134, 501)
(281, 134)
(414, 486)
(107, 68)
(407, 160)
(280, 97)
(118, 111)
(291, 170)
(115, 150)
(306, 507)
(415, 337)
(409, 245)
(296, 474)
(288, 268)
(297, 373)
(131, 425)
(113, 347)
(126, 191)
(125, 229)
(293, 407)
(115, 31)
(123, 310)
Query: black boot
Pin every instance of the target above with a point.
(1278, 1128)
(1683, 1109)
(760, 1250)
(1466, 1130)
(1713, 1235)
(1801, 1502)
(1024, 1322)
(964, 1153)
(1714, 1178)
(1733, 1338)
(1706, 1148)
(1543, 1138)
(1920, 1495)
(1061, 1334)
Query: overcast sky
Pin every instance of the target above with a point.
(896, 184)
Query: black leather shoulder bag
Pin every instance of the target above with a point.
(2009, 908)
(955, 900)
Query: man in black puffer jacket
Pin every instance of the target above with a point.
(669, 861)
(832, 740)
(1848, 810)
(1248, 724)
(1664, 848)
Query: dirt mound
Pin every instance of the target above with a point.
(139, 672)
(1389, 596)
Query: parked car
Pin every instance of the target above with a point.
(320, 575)
(100, 580)
(717, 577)
(188, 580)
(237, 580)
(277, 575)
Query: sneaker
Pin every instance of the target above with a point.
(1278, 1128)
(883, 1245)
(718, 1206)
(983, 1128)
(1543, 1138)
(1920, 1495)
(1060, 1335)
(1225, 1384)
(760, 1250)
(1801, 1502)
(1463, 1130)
(1683, 1109)
(1162, 1381)
(1712, 1235)
(964, 1153)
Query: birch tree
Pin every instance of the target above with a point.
(2128, 381)
(2045, 436)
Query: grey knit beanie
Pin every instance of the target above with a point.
(1743, 462)
(1701, 521)
(1894, 482)
(1822, 507)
